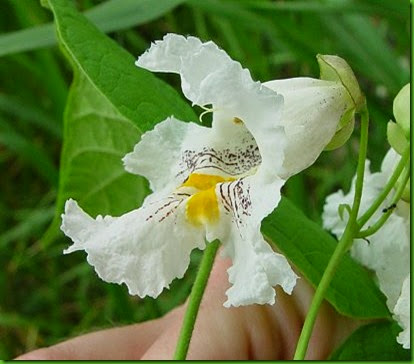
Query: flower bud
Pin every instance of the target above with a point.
(341, 136)
(401, 110)
(398, 132)
(334, 68)
(396, 137)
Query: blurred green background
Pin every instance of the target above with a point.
(45, 296)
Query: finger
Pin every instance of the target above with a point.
(221, 333)
(216, 327)
(330, 327)
(128, 342)
(125, 343)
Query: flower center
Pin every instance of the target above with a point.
(202, 206)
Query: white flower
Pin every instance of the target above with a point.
(388, 250)
(402, 314)
(211, 183)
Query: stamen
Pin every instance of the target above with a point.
(237, 120)
(203, 181)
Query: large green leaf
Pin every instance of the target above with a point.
(376, 341)
(352, 291)
(111, 103)
(109, 16)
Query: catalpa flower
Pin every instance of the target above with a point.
(212, 183)
(387, 252)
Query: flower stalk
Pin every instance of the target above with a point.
(194, 300)
(343, 244)
(388, 187)
(382, 220)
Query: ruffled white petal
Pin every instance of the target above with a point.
(311, 114)
(166, 55)
(210, 76)
(79, 226)
(256, 267)
(388, 254)
(193, 60)
(158, 156)
(402, 314)
(172, 151)
(233, 94)
(145, 248)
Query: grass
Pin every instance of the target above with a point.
(46, 296)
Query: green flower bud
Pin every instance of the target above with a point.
(396, 137)
(401, 110)
(334, 68)
(45, 4)
(398, 132)
(341, 136)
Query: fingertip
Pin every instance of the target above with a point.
(40, 354)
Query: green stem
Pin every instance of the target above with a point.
(388, 187)
(381, 221)
(341, 248)
(195, 299)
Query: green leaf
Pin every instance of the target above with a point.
(308, 247)
(96, 138)
(110, 16)
(376, 341)
(111, 103)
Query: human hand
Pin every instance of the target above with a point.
(255, 332)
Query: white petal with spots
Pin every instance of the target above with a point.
(145, 248)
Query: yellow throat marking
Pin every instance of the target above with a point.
(202, 207)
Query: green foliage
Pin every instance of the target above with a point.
(352, 291)
(28, 151)
(111, 104)
(49, 296)
(373, 342)
(108, 17)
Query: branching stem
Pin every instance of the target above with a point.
(384, 217)
(388, 187)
